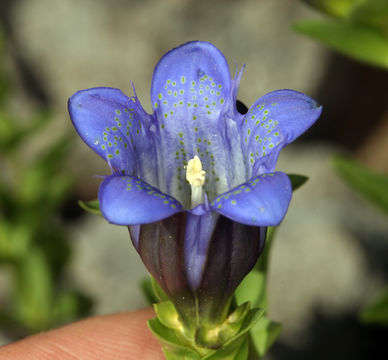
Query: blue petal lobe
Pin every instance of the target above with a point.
(274, 121)
(261, 201)
(191, 90)
(127, 200)
(115, 127)
(198, 232)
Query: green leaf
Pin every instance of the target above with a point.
(171, 343)
(177, 346)
(180, 354)
(230, 350)
(158, 292)
(336, 8)
(14, 241)
(362, 43)
(167, 315)
(264, 334)
(243, 352)
(254, 286)
(13, 133)
(371, 185)
(377, 311)
(69, 306)
(92, 206)
(148, 290)
(34, 291)
(239, 351)
(372, 13)
(44, 172)
(297, 180)
(226, 331)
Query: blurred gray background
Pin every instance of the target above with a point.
(321, 264)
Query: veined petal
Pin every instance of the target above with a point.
(127, 200)
(198, 232)
(193, 79)
(116, 127)
(160, 245)
(275, 119)
(261, 201)
(233, 251)
(191, 90)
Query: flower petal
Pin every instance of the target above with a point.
(127, 200)
(193, 79)
(191, 90)
(232, 253)
(115, 127)
(261, 201)
(274, 120)
(198, 232)
(160, 245)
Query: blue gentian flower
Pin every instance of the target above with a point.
(195, 181)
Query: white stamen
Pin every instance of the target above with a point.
(196, 178)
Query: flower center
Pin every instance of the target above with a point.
(196, 178)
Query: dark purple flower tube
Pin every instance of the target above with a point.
(221, 250)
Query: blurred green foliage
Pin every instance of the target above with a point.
(375, 188)
(376, 312)
(34, 244)
(369, 184)
(357, 28)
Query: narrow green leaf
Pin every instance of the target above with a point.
(336, 8)
(297, 180)
(69, 306)
(13, 133)
(92, 206)
(362, 43)
(158, 291)
(177, 346)
(372, 13)
(371, 185)
(34, 291)
(234, 322)
(226, 331)
(163, 333)
(230, 350)
(50, 160)
(148, 290)
(180, 354)
(254, 286)
(250, 320)
(264, 334)
(171, 343)
(377, 311)
(243, 351)
(167, 314)
(43, 173)
(252, 289)
(239, 350)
